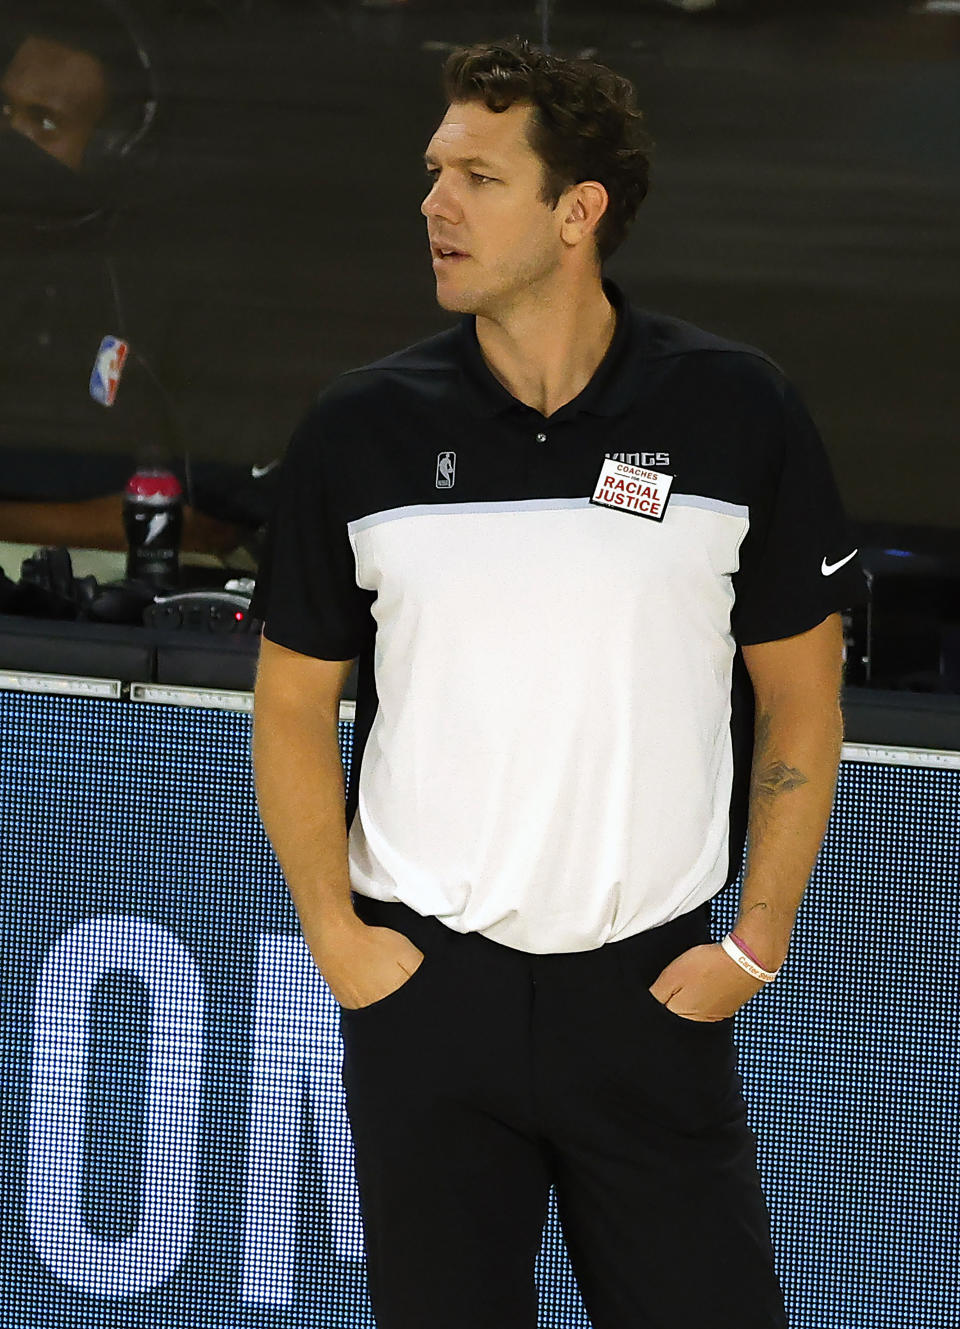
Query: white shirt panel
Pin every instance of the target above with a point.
(534, 662)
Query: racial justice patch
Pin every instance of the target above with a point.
(627, 488)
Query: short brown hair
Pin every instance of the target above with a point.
(585, 123)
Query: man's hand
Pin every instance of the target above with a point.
(363, 964)
(704, 984)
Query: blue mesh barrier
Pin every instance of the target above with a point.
(173, 1144)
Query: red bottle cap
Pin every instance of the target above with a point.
(154, 487)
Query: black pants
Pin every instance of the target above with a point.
(492, 1074)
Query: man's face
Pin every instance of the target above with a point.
(486, 205)
(54, 96)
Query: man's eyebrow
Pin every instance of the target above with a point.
(45, 110)
(34, 108)
(430, 160)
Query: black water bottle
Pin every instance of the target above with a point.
(153, 520)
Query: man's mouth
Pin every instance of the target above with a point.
(447, 254)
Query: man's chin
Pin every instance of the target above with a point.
(455, 302)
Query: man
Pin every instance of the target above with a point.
(76, 96)
(544, 534)
(56, 97)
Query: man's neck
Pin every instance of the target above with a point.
(546, 353)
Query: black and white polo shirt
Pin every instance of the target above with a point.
(551, 750)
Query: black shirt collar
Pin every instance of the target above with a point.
(609, 392)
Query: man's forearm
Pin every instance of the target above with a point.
(299, 779)
(796, 754)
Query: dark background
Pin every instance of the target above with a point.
(806, 199)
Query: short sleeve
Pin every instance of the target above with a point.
(306, 589)
(798, 562)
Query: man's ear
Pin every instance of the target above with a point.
(583, 205)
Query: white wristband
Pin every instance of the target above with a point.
(731, 948)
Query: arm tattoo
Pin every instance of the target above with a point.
(777, 778)
(786, 820)
(770, 776)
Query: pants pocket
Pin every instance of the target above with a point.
(682, 1072)
(395, 999)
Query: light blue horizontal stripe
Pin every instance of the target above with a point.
(710, 504)
(450, 509)
(525, 505)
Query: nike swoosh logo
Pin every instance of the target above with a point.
(158, 523)
(828, 569)
(258, 472)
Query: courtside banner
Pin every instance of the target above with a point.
(174, 1148)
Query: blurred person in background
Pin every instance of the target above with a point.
(78, 100)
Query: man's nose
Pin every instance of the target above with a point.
(440, 203)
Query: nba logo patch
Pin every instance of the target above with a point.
(446, 469)
(108, 370)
